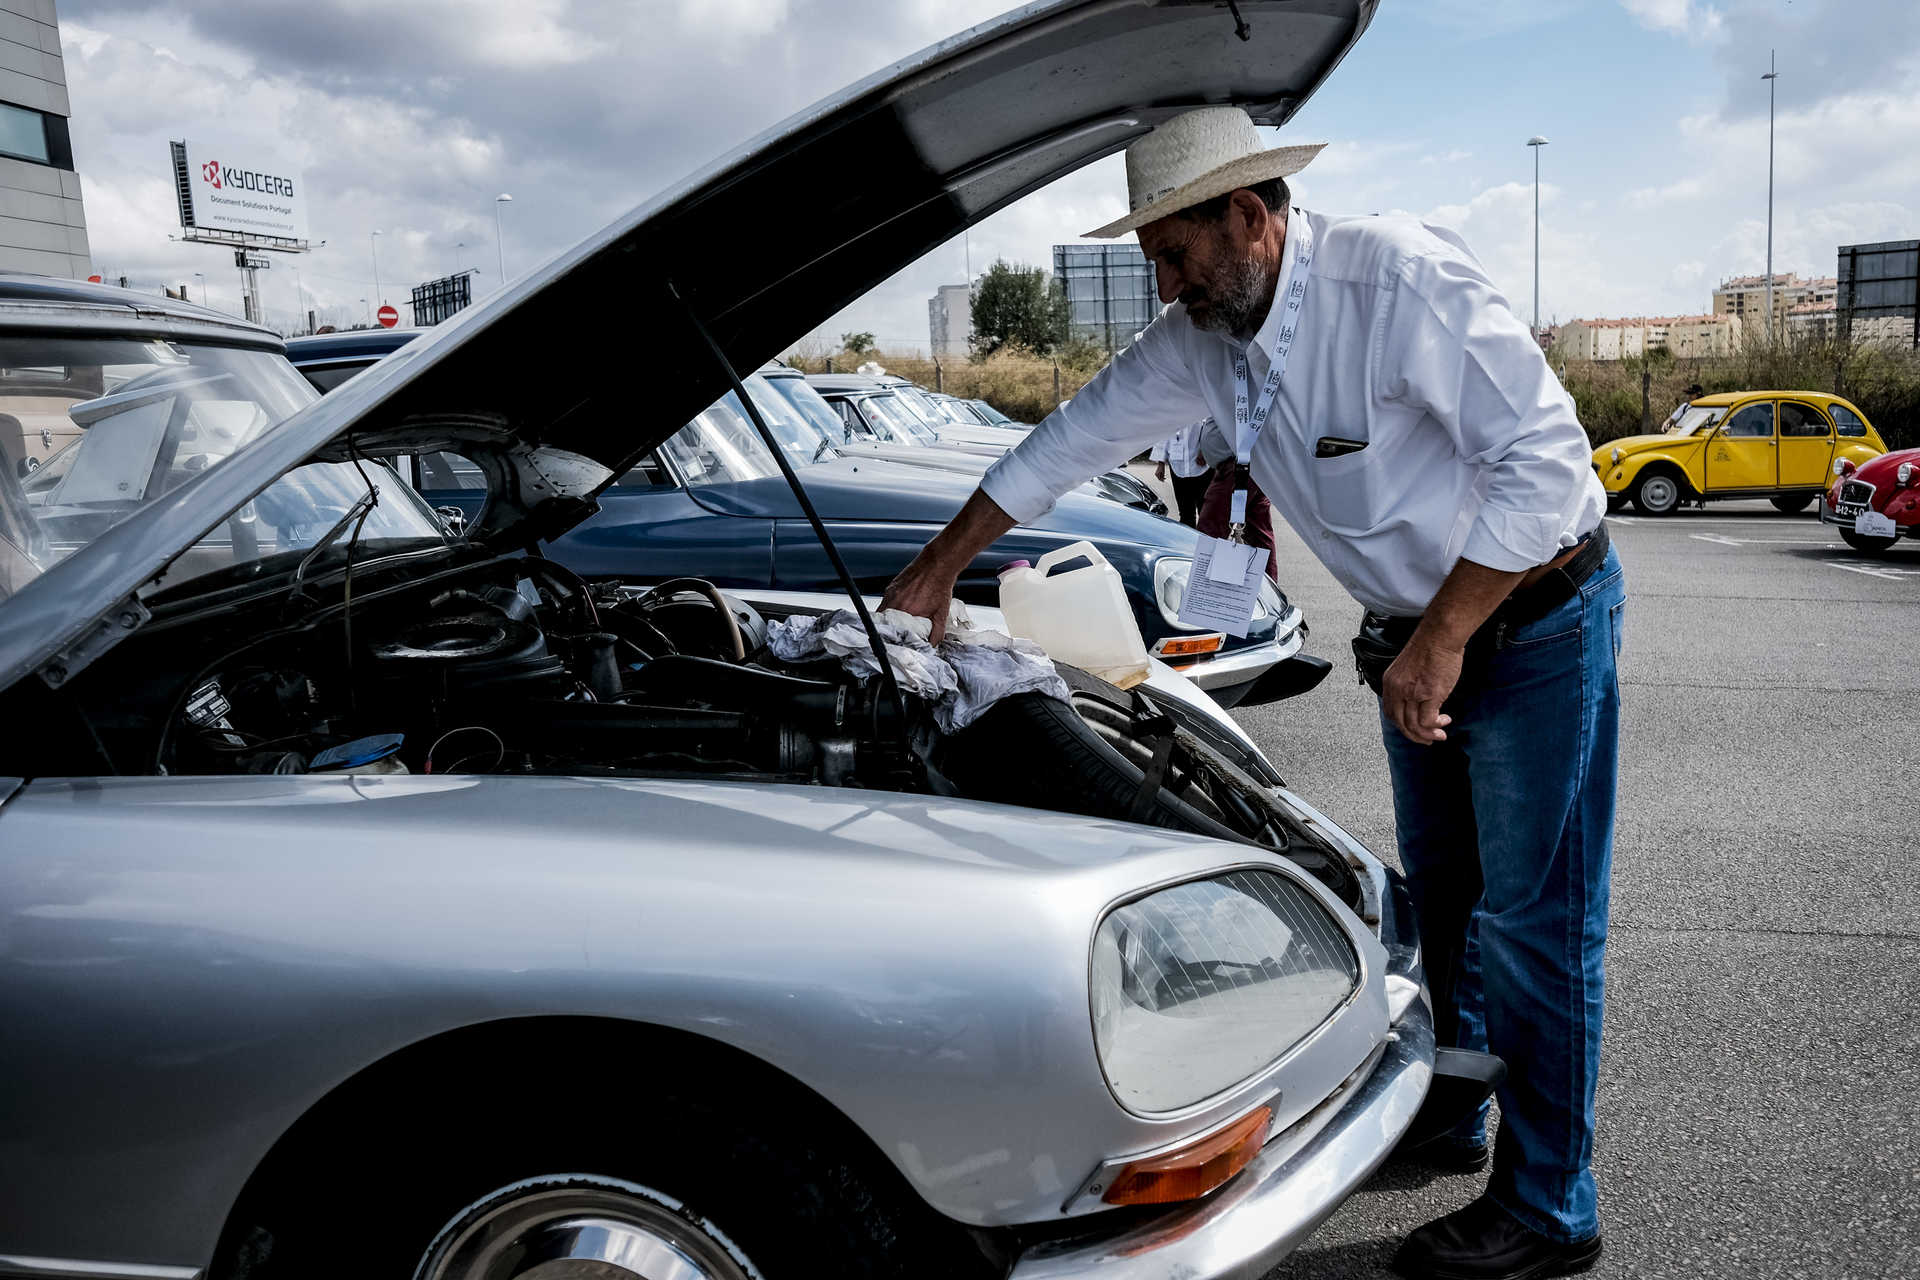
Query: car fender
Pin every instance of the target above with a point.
(204, 959)
(1621, 479)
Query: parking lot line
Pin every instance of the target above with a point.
(1725, 541)
(1889, 575)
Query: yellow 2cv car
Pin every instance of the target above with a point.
(1781, 445)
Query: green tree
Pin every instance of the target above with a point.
(857, 344)
(1020, 307)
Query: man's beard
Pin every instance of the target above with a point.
(1236, 304)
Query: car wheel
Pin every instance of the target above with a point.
(1871, 546)
(1792, 502)
(1656, 493)
(570, 1225)
(490, 1186)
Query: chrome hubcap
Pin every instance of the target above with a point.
(573, 1227)
(1658, 491)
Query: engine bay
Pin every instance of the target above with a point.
(514, 665)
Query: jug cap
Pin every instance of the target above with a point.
(1011, 565)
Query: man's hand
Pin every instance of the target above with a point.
(925, 587)
(1159, 471)
(1416, 684)
(924, 590)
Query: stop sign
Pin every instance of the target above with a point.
(387, 317)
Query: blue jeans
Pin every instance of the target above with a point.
(1506, 835)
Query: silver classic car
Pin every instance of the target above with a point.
(381, 901)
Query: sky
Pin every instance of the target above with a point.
(410, 118)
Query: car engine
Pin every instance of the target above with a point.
(514, 665)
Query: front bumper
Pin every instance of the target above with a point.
(1296, 1182)
(1299, 1178)
(1243, 666)
(1827, 516)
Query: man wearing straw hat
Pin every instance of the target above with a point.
(1376, 385)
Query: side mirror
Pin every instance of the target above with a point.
(453, 518)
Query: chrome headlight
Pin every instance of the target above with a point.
(1200, 986)
(1616, 455)
(1170, 575)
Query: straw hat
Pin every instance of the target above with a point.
(1194, 157)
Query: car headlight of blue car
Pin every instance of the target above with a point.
(1170, 575)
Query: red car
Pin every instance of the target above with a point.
(1876, 503)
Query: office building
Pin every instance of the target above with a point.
(42, 227)
(1110, 291)
(950, 321)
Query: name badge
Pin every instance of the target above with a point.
(1224, 587)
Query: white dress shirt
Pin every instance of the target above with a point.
(1472, 446)
(1181, 451)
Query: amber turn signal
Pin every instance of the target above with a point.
(1195, 1169)
(1189, 646)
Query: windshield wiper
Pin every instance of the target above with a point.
(357, 510)
(824, 451)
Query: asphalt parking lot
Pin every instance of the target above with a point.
(1759, 1101)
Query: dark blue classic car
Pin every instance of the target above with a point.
(711, 503)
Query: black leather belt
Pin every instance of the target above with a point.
(1382, 636)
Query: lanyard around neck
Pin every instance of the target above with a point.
(1250, 415)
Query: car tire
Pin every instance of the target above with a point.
(1791, 503)
(735, 1187)
(1039, 752)
(1657, 493)
(1866, 545)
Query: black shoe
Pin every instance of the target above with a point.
(1485, 1242)
(1448, 1155)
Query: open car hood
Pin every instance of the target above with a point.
(961, 130)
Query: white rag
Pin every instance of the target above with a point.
(969, 671)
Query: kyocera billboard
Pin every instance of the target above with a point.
(243, 190)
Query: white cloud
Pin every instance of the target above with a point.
(1691, 18)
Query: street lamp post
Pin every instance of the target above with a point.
(1536, 142)
(499, 244)
(373, 247)
(1770, 77)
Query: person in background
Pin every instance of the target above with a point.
(1180, 452)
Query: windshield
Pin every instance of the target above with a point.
(993, 416)
(899, 422)
(921, 406)
(93, 429)
(1696, 418)
(721, 444)
(812, 406)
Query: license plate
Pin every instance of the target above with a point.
(1874, 524)
(1849, 509)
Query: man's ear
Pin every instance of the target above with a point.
(1247, 217)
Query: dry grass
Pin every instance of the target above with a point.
(1883, 382)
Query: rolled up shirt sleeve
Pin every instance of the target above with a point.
(1141, 397)
(1453, 347)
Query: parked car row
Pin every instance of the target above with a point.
(384, 900)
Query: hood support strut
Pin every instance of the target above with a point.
(806, 505)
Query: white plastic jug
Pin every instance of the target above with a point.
(1080, 616)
